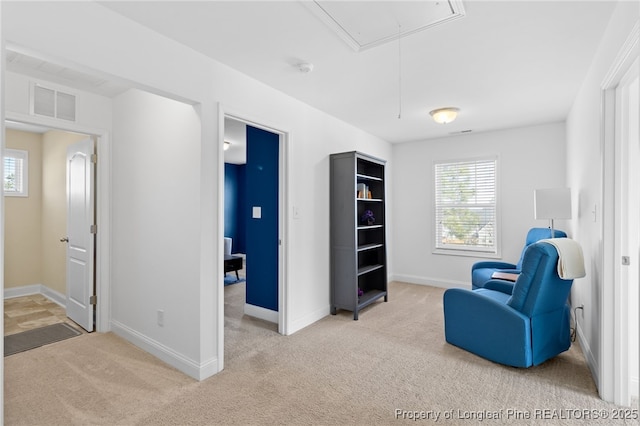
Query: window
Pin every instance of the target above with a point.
(466, 207)
(16, 172)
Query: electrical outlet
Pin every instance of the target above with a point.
(581, 310)
(160, 317)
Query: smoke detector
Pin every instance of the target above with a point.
(305, 67)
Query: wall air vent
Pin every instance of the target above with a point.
(65, 106)
(53, 103)
(44, 101)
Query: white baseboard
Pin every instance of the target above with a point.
(588, 355)
(27, 290)
(55, 296)
(307, 320)
(261, 313)
(198, 371)
(635, 384)
(433, 282)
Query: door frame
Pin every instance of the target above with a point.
(613, 374)
(103, 202)
(283, 216)
(627, 273)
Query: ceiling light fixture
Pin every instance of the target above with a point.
(444, 115)
(227, 145)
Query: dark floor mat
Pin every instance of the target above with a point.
(35, 338)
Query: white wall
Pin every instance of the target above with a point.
(529, 158)
(23, 218)
(90, 39)
(313, 136)
(155, 220)
(584, 174)
(92, 110)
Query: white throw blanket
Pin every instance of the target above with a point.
(570, 258)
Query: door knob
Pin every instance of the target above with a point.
(64, 240)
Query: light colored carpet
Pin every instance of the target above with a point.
(336, 371)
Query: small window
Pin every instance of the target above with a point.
(466, 207)
(16, 173)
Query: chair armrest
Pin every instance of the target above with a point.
(482, 323)
(493, 265)
(502, 286)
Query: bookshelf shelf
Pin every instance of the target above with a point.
(365, 177)
(369, 247)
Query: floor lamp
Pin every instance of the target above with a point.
(552, 204)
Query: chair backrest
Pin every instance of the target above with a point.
(538, 288)
(536, 234)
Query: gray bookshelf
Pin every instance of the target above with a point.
(358, 247)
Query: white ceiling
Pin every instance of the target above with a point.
(22, 63)
(504, 64)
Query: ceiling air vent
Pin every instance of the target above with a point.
(53, 103)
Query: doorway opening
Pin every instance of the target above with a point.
(36, 232)
(254, 170)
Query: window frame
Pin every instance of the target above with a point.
(468, 250)
(21, 155)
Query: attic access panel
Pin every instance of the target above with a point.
(363, 25)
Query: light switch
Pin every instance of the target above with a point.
(296, 212)
(257, 212)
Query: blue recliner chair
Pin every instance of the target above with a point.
(523, 329)
(481, 272)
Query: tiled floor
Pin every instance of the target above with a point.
(34, 311)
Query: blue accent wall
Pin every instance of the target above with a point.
(262, 234)
(235, 195)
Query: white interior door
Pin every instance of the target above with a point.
(81, 233)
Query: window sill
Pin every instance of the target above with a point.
(467, 253)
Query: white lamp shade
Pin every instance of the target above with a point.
(552, 203)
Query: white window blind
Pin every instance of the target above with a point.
(465, 206)
(15, 172)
